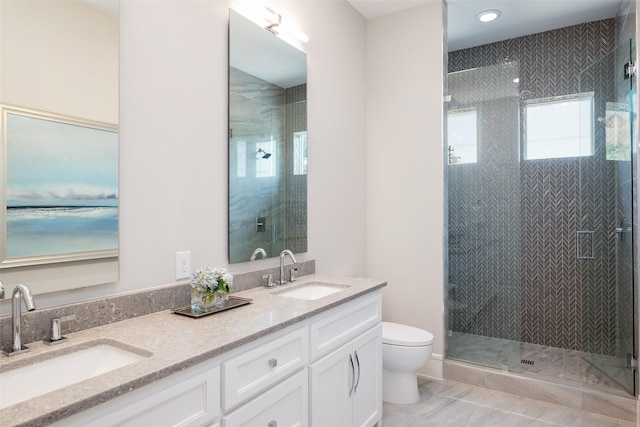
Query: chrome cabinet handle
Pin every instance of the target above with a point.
(273, 362)
(355, 387)
(353, 375)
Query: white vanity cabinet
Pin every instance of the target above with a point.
(346, 383)
(323, 371)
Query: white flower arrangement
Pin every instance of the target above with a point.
(212, 279)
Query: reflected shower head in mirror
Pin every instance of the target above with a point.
(261, 154)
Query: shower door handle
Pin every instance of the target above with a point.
(272, 236)
(622, 230)
(585, 244)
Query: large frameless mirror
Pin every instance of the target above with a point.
(267, 142)
(59, 130)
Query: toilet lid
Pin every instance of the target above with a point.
(396, 334)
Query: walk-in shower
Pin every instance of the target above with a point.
(539, 187)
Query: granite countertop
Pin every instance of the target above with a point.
(172, 343)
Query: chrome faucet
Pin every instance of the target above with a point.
(256, 252)
(20, 292)
(282, 255)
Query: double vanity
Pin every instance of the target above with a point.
(307, 353)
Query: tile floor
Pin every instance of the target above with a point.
(449, 403)
(549, 363)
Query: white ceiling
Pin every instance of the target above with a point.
(518, 18)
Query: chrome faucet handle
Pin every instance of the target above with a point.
(56, 332)
(293, 274)
(269, 279)
(1, 290)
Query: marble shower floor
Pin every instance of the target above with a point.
(449, 403)
(551, 364)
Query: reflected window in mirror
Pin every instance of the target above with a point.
(267, 142)
(300, 153)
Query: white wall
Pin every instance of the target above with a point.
(337, 136)
(173, 140)
(405, 219)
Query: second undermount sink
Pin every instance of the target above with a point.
(36, 379)
(311, 290)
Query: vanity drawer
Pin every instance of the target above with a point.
(344, 323)
(285, 405)
(260, 366)
(190, 398)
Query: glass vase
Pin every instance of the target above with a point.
(205, 300)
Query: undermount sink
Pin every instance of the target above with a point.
(67, 368)
(312, 290)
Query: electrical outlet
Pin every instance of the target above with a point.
(183, 265)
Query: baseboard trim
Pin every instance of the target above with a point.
(434, 368)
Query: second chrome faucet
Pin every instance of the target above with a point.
(283, 254)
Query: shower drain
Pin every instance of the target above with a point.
(526, 362)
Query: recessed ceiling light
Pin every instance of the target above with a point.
(488, 15)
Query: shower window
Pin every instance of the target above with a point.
(241, 167)
(462, 136)
(300, 153)
(559, 127)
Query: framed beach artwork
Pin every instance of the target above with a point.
(60, 189)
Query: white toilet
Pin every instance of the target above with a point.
(405, 349)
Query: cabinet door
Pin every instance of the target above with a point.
(331, 379)
(367, 395)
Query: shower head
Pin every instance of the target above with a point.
(261, 154)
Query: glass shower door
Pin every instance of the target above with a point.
(604, 242)
(483, 174)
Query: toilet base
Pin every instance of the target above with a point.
(400, 387)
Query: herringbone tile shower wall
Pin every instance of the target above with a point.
(513, 223)
(294, 187)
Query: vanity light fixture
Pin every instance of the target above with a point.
(272, 21)
(488, 15)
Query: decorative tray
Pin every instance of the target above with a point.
(233, 302)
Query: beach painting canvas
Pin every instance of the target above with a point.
(61, 189)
